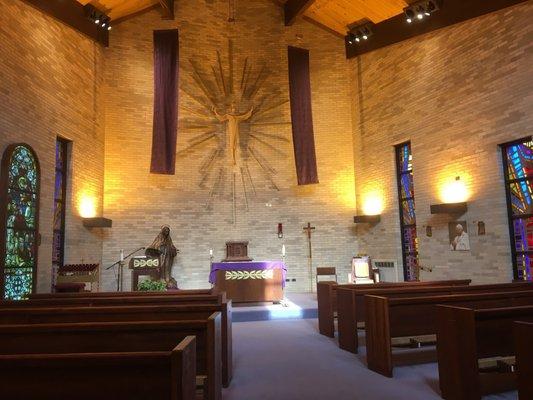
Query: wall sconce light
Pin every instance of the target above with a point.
(87, 209)
(454, 195)
(367, 219)
(98, 222)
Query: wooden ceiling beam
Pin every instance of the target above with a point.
(294, 8)
(396, 29)
(72, 13)
(167, 8)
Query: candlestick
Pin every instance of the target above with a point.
(121, 255)
(283, 250)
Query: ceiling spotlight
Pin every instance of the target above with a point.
(97, 21)
(359, 32)
(109, 28)
(421, 9)
(410, 14)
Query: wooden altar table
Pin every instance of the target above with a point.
(247, 282)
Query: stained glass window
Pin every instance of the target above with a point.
(59, 207)
(406, 197)
(19, 216)
(518, 170)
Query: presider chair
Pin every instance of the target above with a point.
(326, 271)
(362, 272)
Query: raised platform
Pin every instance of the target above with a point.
(294, 306)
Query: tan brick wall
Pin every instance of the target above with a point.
(456, 94)
(50, 80)
(139, 203)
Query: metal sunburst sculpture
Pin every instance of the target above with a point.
(225, 102)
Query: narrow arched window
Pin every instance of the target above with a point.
(19, 221)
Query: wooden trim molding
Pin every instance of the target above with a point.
(396, 29)
(72, 13)
(167, 8)
(294, 8)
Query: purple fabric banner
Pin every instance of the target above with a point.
(247, 266)
(166, 50)
(302, 116)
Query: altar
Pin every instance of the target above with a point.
(250, 281)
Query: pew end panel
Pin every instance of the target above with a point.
(326, 310)
(378, 337)
(227, 348)
(456, 351)
(214, 357)
(183, 369)
(523, 332)
(346, 319)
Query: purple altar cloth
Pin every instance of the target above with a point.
(247, 266)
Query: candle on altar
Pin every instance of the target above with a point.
(283, 250)
(121, 255)
(211, 252)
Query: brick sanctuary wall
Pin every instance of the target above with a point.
(139, 203)
(456, 94)
(50, 80)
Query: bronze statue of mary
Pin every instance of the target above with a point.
(163, 247)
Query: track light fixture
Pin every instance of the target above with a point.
(98, 17)
(359, 33)
(420, 10)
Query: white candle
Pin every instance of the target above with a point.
(211, 252)
(283, 250)
(121, 255)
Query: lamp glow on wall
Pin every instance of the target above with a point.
(87, 207)
(454, 193)
(87, 210)
(372, 208)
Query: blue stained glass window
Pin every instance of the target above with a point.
(20, 212)
(406, 197)
(59, 207)
(518, 169)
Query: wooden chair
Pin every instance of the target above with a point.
(326, 271)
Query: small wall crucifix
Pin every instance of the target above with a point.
(308, 230)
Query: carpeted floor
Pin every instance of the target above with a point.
(288, 359)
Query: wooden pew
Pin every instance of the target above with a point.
(65, 314)
(165, 375)
(351, 303)
(523, 334)
(387, 318)
(117, 300)
(111, 337)
(327, 298)
(147, 300)
(465, 335)
(180, 292)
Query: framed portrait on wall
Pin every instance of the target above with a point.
(459, 240)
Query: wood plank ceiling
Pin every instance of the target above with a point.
(118, 9)
(339, 15)
(335, 15)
